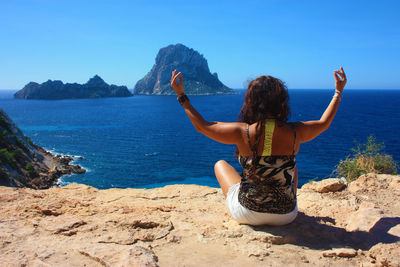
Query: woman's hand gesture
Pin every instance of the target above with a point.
(178, 87)
(340, 79)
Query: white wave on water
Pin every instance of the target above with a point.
(151, 154)
(56, 153)
(61, 181)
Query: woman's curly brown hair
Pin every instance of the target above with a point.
(266, 98)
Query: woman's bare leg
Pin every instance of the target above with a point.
(226, 175)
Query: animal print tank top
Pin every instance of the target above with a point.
(268, 181)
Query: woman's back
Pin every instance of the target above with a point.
(283, 140)
(268, 173)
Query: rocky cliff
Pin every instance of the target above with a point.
(188, 225)
(197, 78)
(94, 88)
(24, 164)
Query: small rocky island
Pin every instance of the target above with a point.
(25, 164)
(197, 77)
(96, 87)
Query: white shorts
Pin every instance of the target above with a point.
(246, 216)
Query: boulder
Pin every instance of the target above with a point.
(340, 252)
(326, 185)
(395, 230)
(363, 183)
(386, 254)
(363, 219)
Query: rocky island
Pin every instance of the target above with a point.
(356, 224)
(25, 164)
(197, 79)
(96, 87)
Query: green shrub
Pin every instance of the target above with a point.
(10, 157)
(29, 140)
(7, 157)
(31, 171)
(366, 158)
(2, 119)
(4, 142)
(3, 174)
(19, 142)
(22, 145)
(4, 123)
(18, 155)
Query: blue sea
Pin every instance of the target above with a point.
(148, 141)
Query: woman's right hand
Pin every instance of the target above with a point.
(307, 131)
(177, 86)
(340, 79)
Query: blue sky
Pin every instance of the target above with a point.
(301, 42)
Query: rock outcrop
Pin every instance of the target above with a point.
(188, 225)
(197, 78)
(94, 88)
(24, 164)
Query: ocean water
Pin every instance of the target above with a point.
(148, 141)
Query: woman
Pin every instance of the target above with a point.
(267, 144)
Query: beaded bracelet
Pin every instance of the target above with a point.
(338, 94)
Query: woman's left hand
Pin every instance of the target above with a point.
(340, 79)
(178, 87)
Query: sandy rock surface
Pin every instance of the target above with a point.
(188, 225)
(327, 185)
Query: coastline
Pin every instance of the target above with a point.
(26, 164)
(73, 162)
(58, 166)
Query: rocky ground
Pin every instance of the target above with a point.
(188, 225)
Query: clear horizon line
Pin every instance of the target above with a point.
(241, 89)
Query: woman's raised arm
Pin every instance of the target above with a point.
(227, 133)
(310, 129)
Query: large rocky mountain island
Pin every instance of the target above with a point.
(96, 87)
(25, 164)
(197, 77)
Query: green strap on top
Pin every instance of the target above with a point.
(269, 131)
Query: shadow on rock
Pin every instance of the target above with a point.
(316, 233)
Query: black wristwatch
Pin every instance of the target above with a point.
(182, 98)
